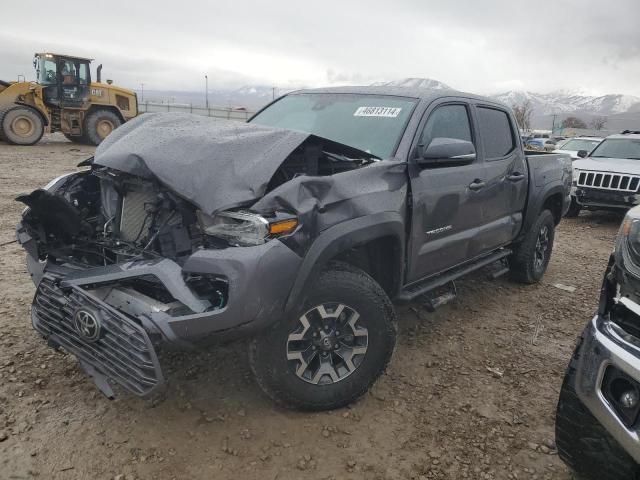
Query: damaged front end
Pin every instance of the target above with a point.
(154, 246)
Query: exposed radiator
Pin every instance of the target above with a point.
(135, 219)
(609, 181)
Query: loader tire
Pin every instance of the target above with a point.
(21, 126)
(99, 124)
(583, 443)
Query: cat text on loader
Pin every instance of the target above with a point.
(63, 99)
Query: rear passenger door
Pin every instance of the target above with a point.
(447, 201)
(506, 176)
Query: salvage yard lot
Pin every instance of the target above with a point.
(470, 393)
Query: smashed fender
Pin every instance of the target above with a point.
(215, 164)
(321, 202)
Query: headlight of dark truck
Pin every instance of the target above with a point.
(629, 236)
(244, 228)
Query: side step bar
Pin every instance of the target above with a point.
(411, 291)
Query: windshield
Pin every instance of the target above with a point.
(373, 123)
(576, 144)
(618, 148)
(47, 69)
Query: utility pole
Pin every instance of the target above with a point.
(553, 125)
(206, 90)
(273, 93)
(142, 85)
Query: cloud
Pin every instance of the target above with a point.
(483, 47)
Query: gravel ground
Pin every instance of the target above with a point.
(470, 393)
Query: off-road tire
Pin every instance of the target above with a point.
(522, 264)
(339, 283)
(25, 118)
(574, 208)
(99, 124)
(583, 443)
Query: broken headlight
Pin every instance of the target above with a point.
(245, 228)
(629, 235)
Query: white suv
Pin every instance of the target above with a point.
(607, 178)
(577, 144)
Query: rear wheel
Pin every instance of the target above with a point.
(334, 349)
(583, 443)
(99, 124)
(531, 257)
(21, 126)
(574, 208)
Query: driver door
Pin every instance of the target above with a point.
(447, 200)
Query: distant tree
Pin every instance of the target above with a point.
(573, 122)
(523, 112)
(598, 123)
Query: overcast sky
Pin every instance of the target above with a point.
(483, 46)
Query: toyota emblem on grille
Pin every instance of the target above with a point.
(87, 324)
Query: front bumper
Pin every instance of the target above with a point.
(121, 350)
(608, 199)
(259, 282)
(605, 345)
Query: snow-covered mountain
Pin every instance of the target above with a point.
(415, 83)
(571, 102)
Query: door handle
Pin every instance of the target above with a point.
(476, 185)
(515, 177)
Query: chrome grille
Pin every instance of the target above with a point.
(123, 352)
(609, 181)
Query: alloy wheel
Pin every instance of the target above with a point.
(328, 344)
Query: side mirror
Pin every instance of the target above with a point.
(447, 151)
(582, 153)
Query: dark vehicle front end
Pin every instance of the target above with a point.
(598, 419)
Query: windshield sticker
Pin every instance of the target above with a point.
(388, 112)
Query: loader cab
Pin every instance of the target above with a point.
(66, 81)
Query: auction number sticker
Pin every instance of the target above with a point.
(388, 112)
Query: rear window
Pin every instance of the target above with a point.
(496, 132)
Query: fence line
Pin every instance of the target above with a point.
(215, 112)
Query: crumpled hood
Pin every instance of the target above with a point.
(215, 164)
(613, 165)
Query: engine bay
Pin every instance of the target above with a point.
(104, 216)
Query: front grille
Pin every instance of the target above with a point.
(609, 181)
(626, 320)
(123, 352)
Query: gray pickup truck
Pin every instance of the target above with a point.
(297, 229)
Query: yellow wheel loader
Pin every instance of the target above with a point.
(63, 99)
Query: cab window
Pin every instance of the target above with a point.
(447, 121)
(48, 72)
(496, 132)
(84, 74)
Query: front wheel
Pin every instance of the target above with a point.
(334, 349)
(583, 443)
(531, 257)
(574, 208)
(21, 126)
